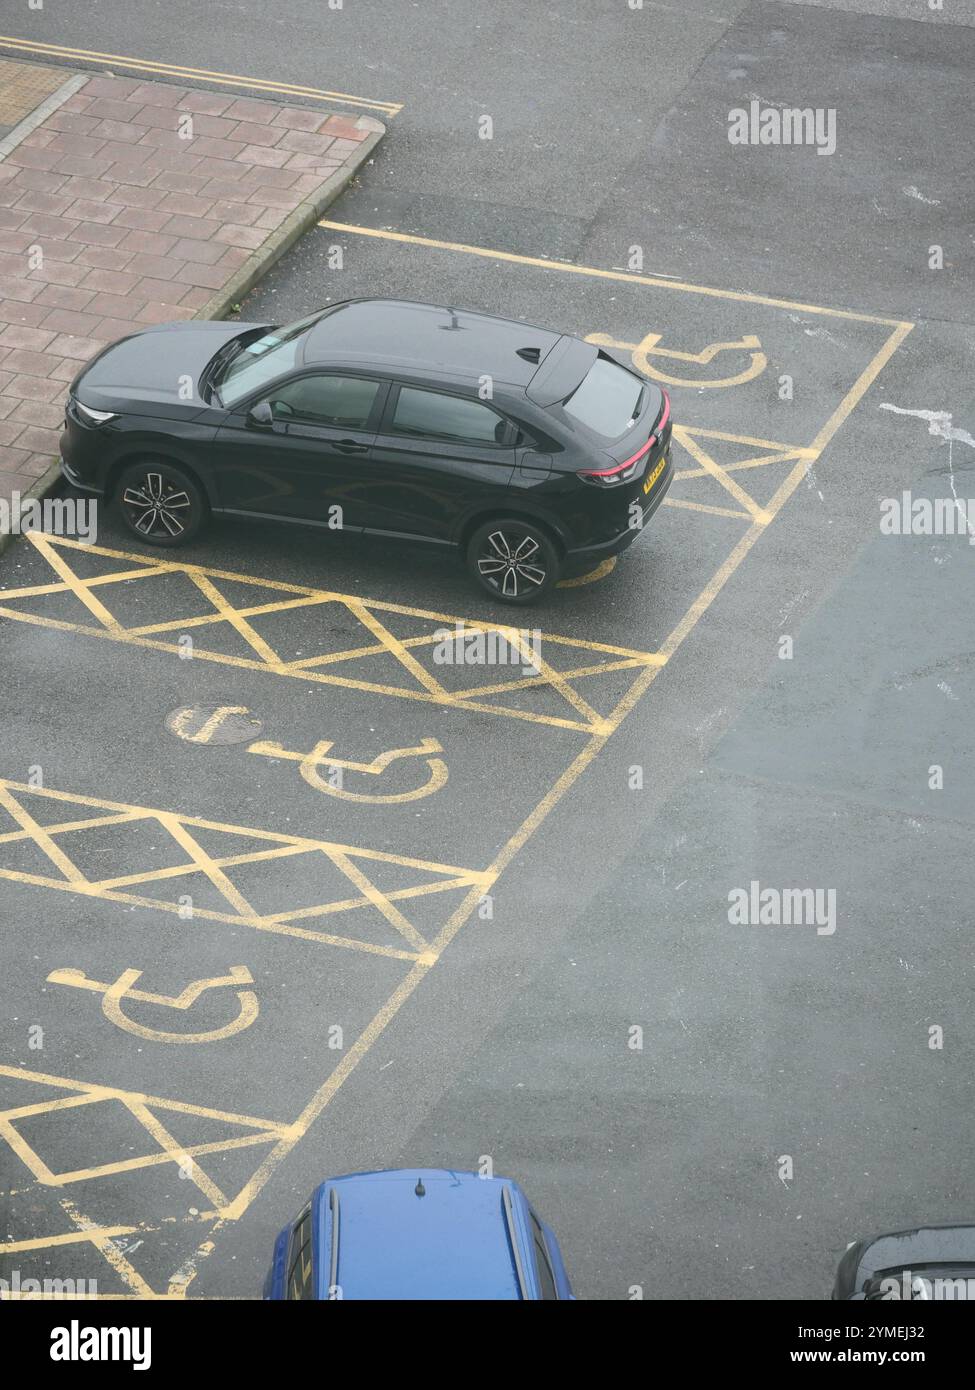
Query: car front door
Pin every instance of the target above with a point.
(304, 460)
(437, 456)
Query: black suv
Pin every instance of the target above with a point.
(530, 452)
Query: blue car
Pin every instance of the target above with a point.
(417, 1234)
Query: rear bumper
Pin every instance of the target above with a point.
(592, 554)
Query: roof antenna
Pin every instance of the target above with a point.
(420, 1190)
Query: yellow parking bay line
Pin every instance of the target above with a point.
(174, 70)
(624, 276)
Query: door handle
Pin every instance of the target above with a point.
(349, 446)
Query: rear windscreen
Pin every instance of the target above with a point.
(606, 400)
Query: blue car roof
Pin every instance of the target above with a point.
(452, 1242)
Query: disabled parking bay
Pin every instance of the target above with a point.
(255, 790)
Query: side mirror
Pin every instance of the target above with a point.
(261, 415)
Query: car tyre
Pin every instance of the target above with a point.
(160, 503)
(513, 560)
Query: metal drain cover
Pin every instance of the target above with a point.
(213, 724)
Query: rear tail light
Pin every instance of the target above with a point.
(623, 472)
(661, 424)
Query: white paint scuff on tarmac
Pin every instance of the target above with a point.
(939, 424)
(815, 332)
(913, 192)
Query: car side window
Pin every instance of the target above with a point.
(299, 1261)
(341, 402)
(546, 1278)
(452, 419)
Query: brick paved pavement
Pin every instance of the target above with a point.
(137, 203)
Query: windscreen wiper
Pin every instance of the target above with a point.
(219, 359)
(222, 359)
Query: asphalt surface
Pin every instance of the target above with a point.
(658, 1168)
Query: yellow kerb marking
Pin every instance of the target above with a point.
(600, 572)
(224, 79)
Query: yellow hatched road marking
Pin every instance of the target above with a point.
(348, 859)
(705, 507)
(150, 875)
(783, 457)
(283, 927)
(141, 1107)
(258, 610)
(38, 590)
(104, 1241)
(367, 613)
(530, 682)
(394, 646)
(228, 612)
(40, 837)
(154, 1126)
(73, 583)
(379, 900)
(203, 861)
(122, 818)
(18, 1247)
(685, 438)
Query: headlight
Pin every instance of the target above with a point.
(94, 417)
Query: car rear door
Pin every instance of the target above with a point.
(308, 462)
(438, 456)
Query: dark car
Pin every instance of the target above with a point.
(926, 1263)
(417, 1234)
(531, 453)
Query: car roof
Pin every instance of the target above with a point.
(430, 338)
(451, 1242)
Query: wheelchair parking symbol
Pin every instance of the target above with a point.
(113, 996)
(310, 763)
(235, 724)
(648, 348)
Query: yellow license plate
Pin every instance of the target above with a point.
(654, 475)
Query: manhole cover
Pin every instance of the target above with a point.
(213, 724)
